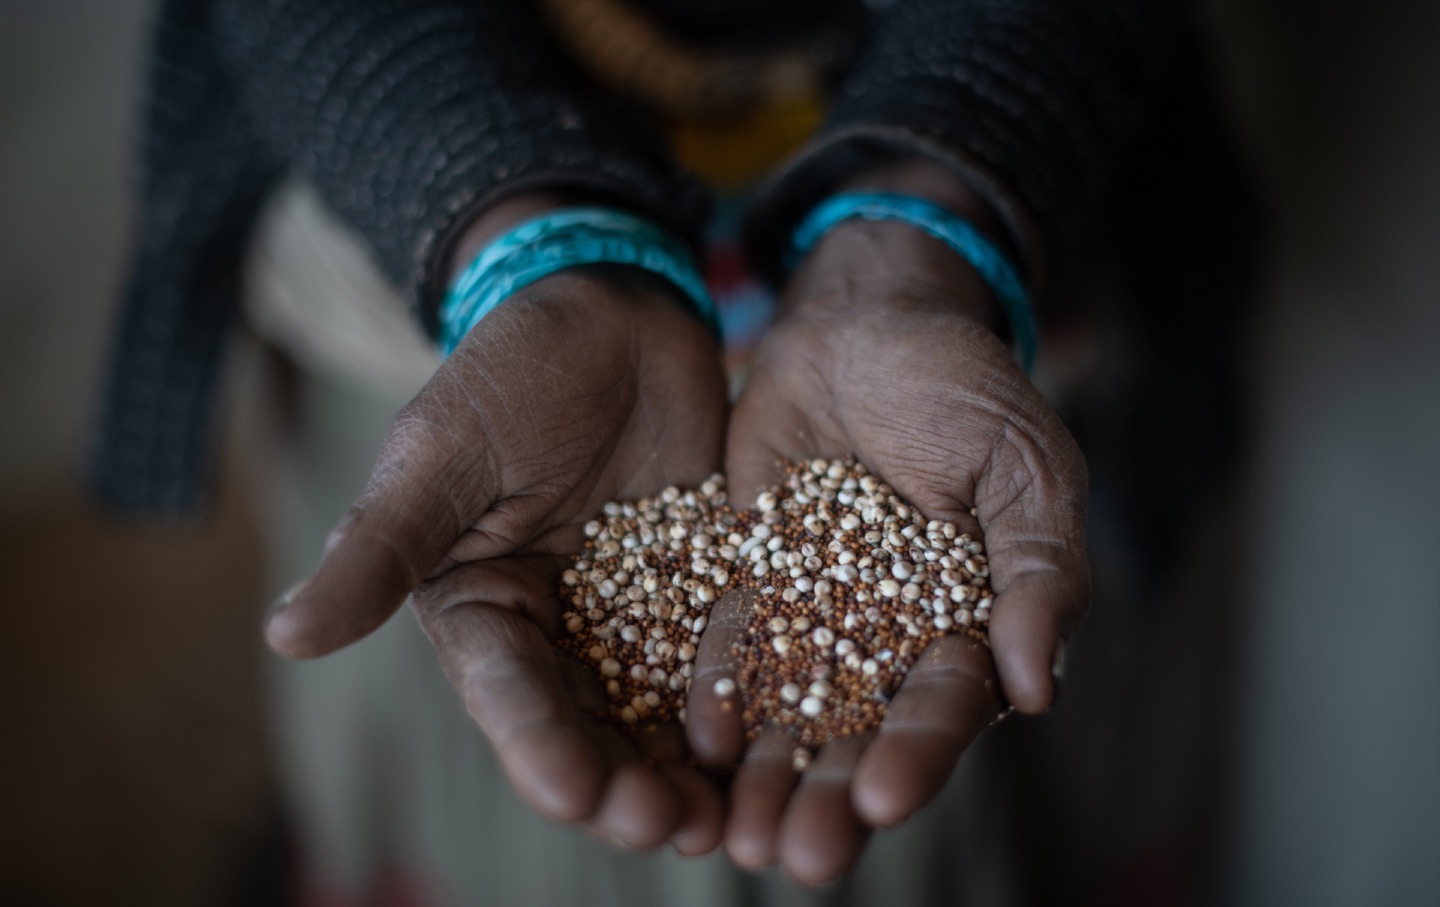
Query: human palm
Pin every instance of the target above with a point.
(882, 351)
(589, 386)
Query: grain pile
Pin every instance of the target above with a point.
(849, 584)
(640, 595)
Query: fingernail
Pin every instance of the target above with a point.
(283, 601)
(1057, 671)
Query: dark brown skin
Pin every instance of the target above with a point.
(592, 385)
(884, 348)
(596, 385)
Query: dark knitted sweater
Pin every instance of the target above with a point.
(408, 115)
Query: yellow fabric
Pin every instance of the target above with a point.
(732, 154)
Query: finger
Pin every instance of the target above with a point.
(661, 744)
(758, 795)
(703, 820)
(518, 691)
(1031, 620)
(1032, 505)
(702, 811)
(766, 430)
(821, 836)
(948, 697)
(641, 807)
(381, 550)
(713, 714)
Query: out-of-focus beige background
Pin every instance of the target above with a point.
(133, 763)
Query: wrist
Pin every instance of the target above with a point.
(883, 267)
(497, 219)
(928, 180)
(894, 263)
(537, 237)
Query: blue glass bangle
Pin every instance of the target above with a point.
(563, 239)
(951, 229)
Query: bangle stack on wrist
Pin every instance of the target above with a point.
(951, 229)
(564, 239)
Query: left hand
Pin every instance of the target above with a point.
(883, 349)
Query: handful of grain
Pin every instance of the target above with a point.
(847, 585)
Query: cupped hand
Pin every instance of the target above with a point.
(591, 385)
(884, 349)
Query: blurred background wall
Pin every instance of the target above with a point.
(133, 759)
(132, 768)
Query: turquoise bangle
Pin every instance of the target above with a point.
(951, 229)
(563, 239)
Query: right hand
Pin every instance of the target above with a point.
(591, 385)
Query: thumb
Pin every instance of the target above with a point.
(402, 525)
(1038, 565)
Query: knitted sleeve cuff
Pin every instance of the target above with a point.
(816, 172)
(411, 115)
(1029, 102)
